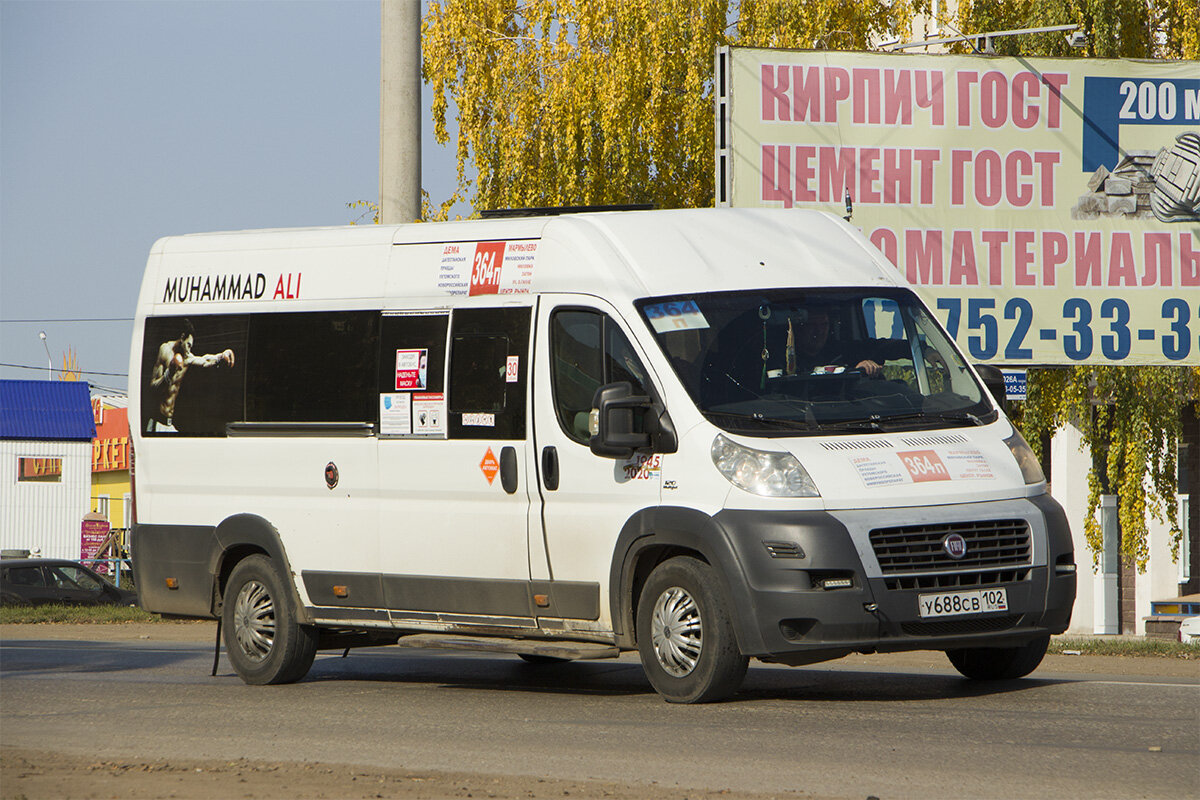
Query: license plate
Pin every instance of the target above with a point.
(949, 604)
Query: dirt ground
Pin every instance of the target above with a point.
(40, 775)
(34, 774)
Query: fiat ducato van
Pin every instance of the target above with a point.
(708, 436)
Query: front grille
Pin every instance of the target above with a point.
(961, 626)
(958, 580)
(915, 549)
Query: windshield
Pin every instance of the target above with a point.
(793, 361)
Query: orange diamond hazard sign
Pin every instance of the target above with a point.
(490, 466)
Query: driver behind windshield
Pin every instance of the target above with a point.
(810, 350)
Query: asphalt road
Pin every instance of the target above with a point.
(846, 729)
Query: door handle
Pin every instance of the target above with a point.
(508, 469)
(550, 467)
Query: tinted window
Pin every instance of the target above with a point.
(312, 367)
(793, 361)
(193, 374)
(201, 372)
(75, 578)
(25, 576)
(408, 332)
(588, 350)
(489, 364)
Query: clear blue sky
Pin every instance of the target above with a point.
(121, 122)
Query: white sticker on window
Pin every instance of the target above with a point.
(429, 414)
(678, 316)
(395, 414)
(479, 420)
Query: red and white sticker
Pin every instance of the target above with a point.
(512, 370)
(483, 268)
(411, 368)
(486, 268)
(924, 465)
(643, 467)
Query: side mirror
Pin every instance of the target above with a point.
(616, 412)
(993, 381)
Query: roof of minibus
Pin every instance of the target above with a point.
(644, 253)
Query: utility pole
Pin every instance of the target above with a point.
(400, 111)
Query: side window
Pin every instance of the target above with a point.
(587, 350)
(312, 367)
(193, 374)
(200, 373)
(412, 370)
(489, 366)
(75, 578)
(26, 576)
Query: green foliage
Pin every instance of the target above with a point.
(76, 614)
(1130, 418)
(366, 208)
(1115, 28)
(1122, 646)
(588, 102)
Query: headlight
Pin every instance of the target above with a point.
(1031, 470)
(761, 472)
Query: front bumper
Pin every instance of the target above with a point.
(813, 587)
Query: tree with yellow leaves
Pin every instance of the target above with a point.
(589, 102)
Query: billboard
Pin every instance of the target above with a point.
(1047, 209)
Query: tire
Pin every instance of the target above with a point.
(265, 643)
(999, 663)
(685, 635)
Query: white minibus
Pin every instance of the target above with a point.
(706, 435)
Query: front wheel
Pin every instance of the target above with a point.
(265, 642)
(999, 663)
(685, 634)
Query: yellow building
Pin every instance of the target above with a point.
(112, 494)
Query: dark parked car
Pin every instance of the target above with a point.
(37, 581)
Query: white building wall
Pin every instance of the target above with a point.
(1068, 483)
(1161, 579)
(45, 516)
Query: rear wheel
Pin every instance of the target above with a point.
(999, 663)
(685, 634)
(265, 643)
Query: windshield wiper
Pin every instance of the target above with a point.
(871, 423)
(937, 416)
(791, 424)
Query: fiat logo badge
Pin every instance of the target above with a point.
(955, 546)
(331, 475)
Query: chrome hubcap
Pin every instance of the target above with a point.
(254, 620)
(675, 631)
